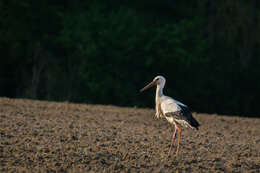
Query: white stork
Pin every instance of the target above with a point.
(174, 111)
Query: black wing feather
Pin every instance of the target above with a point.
(187, 115)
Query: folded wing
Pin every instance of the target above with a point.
(178, 112)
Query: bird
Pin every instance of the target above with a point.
(175, 112)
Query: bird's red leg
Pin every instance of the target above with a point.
(173, 139)
(179, 139)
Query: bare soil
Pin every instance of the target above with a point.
(41, 136)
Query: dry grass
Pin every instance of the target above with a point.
(38, 136)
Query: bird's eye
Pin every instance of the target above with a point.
(157, 79)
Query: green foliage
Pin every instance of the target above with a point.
(105, 51)
(118, 46)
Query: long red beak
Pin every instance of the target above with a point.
(148, 86)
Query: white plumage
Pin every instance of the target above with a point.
(174, 111)
(169, 105)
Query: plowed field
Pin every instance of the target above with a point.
(41, 136)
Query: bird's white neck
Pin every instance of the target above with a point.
(159, 92)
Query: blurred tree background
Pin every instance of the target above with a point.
(103, 52)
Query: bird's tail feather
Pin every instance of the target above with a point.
(194, 123)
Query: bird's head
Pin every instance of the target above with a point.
(158, 80)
